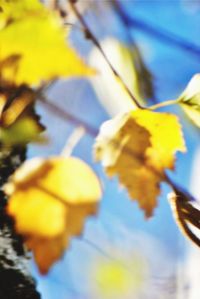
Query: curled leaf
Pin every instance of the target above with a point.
(49, 201)
(186, 212)
(138, 147)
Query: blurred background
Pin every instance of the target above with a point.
(155, 46)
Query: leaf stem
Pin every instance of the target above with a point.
(162, 104)
(92, 37)
(73, 140)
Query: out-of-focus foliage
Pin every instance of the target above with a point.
(30, 38)
(14, 104)
(138, 147)
(21, 132)
(116, 280)
(107, 86)
(190, 99)
(19, 123)
(186, 212)
(49, 201)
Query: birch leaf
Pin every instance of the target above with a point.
(190, 100)
(33, 46)
(138, 147)
(49, 201)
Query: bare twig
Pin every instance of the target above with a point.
(91, 36)
(158, 33)
(67, 116)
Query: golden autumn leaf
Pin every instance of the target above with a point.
(33, 46)
(49, 201)
(138, 147)
(166, 137)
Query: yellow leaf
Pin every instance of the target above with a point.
(37, 212)
(47, 251)
(34, 45)
(138, 147)
(49, 201)
(190, 100)
(166, 137)
(17, 8)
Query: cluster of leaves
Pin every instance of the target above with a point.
(46, 217)
(28, 62)
(47, 201)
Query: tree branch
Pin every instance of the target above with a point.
(92, 37)
(158, 33)
(67, 116)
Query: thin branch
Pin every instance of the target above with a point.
(67, 116)
(144, 75)
(158, 33)
(91, 36)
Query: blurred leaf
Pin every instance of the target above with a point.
(22, 131)
(190, 100)
(49, 201)
(186, 212)
(16, 103)
(114, 279)
(33, 46)
(128, 63)
(19, 8)
(138, 147)
(19, 123)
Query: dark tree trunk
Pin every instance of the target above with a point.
(15, 279)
